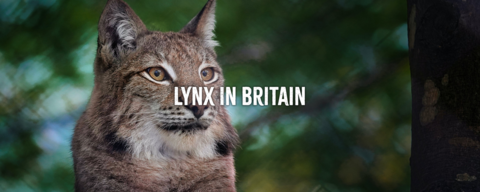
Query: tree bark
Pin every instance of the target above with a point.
(444, 41)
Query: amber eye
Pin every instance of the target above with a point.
(157, 73)
(207, 74)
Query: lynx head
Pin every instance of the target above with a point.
(136, 72)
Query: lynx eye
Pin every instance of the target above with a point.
(207, 74)
(157, 73)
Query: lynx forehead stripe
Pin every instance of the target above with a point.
(170, 70)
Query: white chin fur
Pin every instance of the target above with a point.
(150, 142)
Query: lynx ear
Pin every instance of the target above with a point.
(203, 25)
(118, 29)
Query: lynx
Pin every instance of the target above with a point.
(132, 137)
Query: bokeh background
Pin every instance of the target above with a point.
(351, 55)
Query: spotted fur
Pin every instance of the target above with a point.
(132, 137)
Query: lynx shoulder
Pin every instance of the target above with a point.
(132, 137)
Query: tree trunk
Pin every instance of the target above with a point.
(444, 40)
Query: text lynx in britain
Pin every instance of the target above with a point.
(293, 96)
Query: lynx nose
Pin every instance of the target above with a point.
(197, 110)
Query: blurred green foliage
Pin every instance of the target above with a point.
(351, 55)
